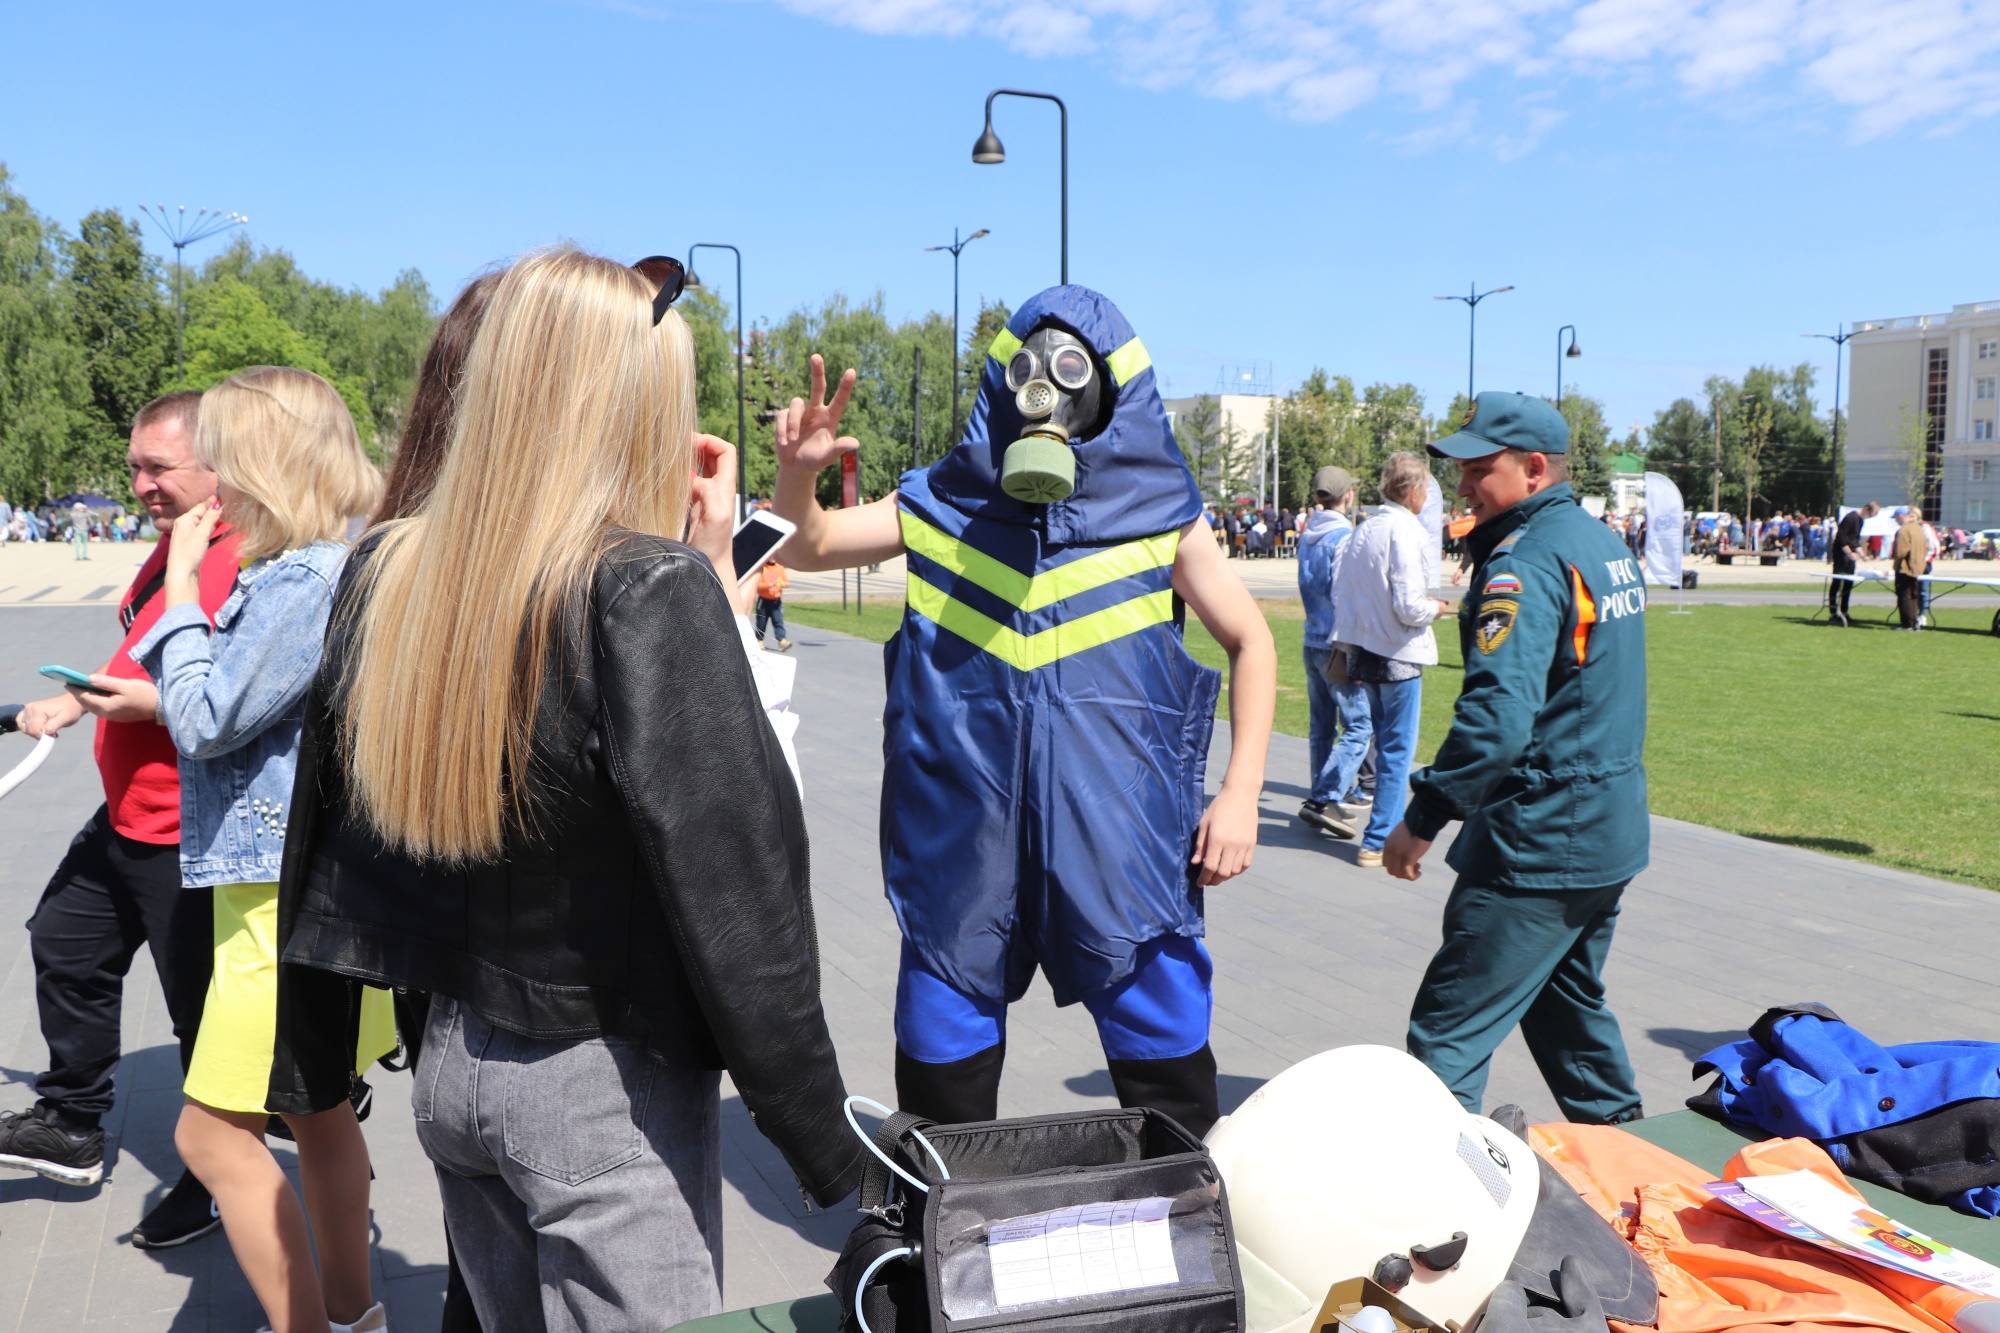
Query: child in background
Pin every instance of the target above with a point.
(771, 583)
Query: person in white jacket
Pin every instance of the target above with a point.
(1382, 615)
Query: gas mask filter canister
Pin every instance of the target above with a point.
(1059, 393)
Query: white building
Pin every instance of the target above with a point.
(1244, 420)
(1921, 421)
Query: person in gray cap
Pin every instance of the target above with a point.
(1544, 766)
(1332, 701)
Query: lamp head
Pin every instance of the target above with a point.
(691, 280)
(1574, 350)
(988, 151)
(977, 234)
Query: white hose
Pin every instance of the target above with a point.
(26, 768)
(868, 1276)
(868, 1142)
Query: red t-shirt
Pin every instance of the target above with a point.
(137, 760)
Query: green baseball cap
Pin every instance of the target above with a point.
(1506, 421)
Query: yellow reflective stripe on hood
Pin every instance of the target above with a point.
(1128, 361)
(1005, 344)
(1026, 652)
(1032, 592)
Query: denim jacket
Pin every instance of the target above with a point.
(233, 700)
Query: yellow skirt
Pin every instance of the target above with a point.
(234, 1048)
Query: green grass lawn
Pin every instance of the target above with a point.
(1860, 742)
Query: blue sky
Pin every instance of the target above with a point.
(1693, 183)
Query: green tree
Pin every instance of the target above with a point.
(1786, 459)
(1306, 422)
(1910, 446)
(1678, 447)
(992, 318)
(45, 399)
(230, 328)
(1795, 470)
(1587, 434)
(880, 413)
(1327, 420)
(124, 325)
(372, 345)
(711, 324)
(1198, 431)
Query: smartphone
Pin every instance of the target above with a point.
(757, 540)
(68, 676)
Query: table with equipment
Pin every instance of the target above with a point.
(1943, 585)
(1707, 1143)
(1937, 585)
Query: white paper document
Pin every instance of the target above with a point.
(1094, 1249)
(1855, 1226)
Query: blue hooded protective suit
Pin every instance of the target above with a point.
(1046, 732)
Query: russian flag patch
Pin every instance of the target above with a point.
(1503, 583)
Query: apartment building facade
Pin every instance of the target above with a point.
(1923, 414)
(1239, 454)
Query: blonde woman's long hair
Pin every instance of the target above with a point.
(285, 445)
(576, 416)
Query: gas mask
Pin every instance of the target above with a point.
(1061, 396)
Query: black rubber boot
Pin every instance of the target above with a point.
(1183, 1087)
(954, 1093)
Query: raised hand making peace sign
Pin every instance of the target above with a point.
(807, 440)
(807, 429)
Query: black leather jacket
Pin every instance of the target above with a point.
(663, 892)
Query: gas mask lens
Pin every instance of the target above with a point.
(1021, 368)
(1070, 368)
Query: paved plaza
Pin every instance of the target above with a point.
(1311, 952)
(46, 574)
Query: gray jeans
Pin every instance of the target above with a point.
(582, 1180)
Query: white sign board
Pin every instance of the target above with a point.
(1432, 518)
(1662, 556)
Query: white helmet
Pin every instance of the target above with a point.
(1359, 1162)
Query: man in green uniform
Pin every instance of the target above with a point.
(1543, 765)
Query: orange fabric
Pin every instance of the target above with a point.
(1777, 1156)
(1718, 1271)
(1586, 614)
(1458, 527)
(772, 581)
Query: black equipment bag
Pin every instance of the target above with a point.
(1139, 1240)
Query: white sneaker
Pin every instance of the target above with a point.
(375, 1319)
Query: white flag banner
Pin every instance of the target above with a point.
(1663, 531)
(1432, 518)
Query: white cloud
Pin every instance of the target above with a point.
(1890, 64)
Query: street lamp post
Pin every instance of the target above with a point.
(1839, 340)
(988, 152)
(182, 231)
(742, 435)
(1472, 324)
(1277, 417)
(956, 247)
(1574, 350)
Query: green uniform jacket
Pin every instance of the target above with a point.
(1545, 760)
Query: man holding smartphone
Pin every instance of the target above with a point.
(119, 886)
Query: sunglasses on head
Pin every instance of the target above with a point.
(666, 271)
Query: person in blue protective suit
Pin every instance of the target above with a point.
(1046, 733)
